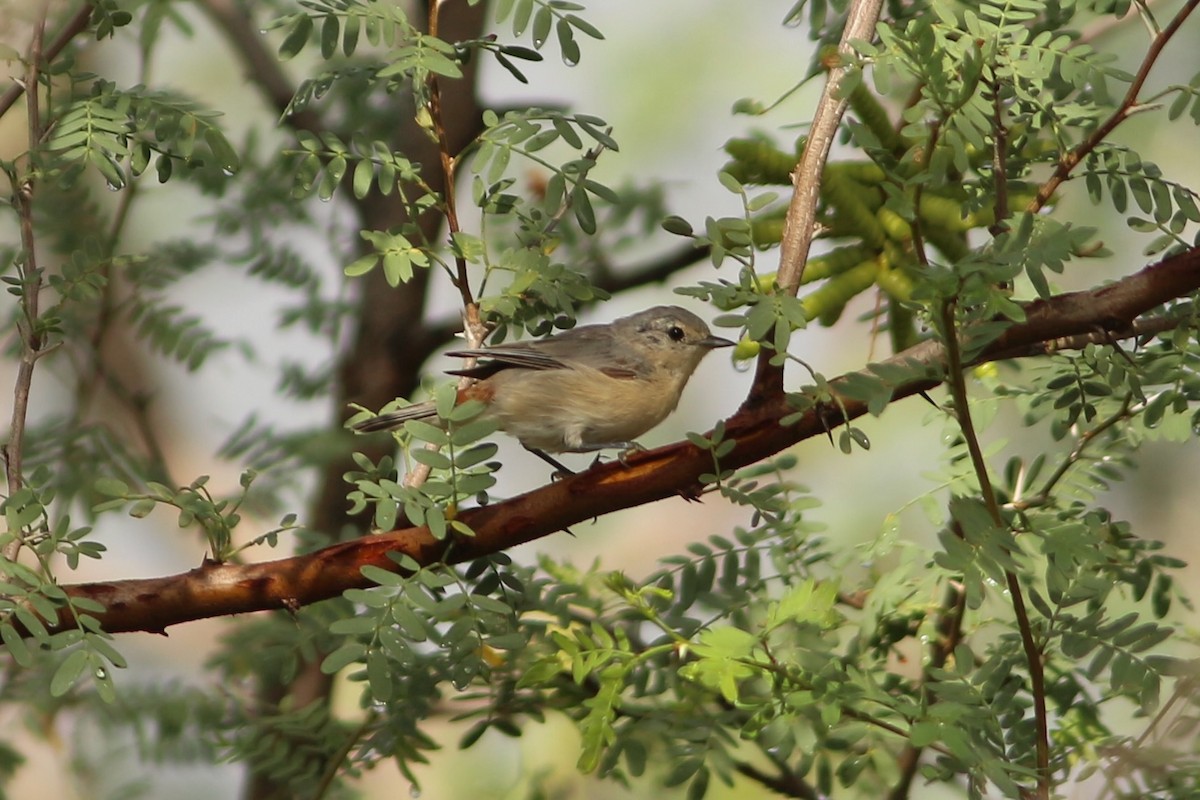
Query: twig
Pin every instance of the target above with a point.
(472, 325)
(1104, 25)
(999, 160)
(31, 284)
(1184, 690)
(653, 271)
(262, 67)
(949, 627)
(958, 390)
(1087, 437)
(1127, 107)
(339, 757)
(447, 160)
(786, 783)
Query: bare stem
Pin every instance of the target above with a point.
(472, 324)
(999, 160)
(449, 164)
(31, 283)
(958, 390)
(786, 783)
(799, 224)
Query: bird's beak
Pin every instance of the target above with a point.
(713, 342)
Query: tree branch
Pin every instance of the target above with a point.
(213, 590)
(1128, 105)
(261, 65)
(785, 783)
(656, 270)
(799, 225)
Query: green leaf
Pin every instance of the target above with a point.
(430, 458)
(380, 576)
(297, 38)
(343, 657)
(111, 487)
(16, 646)
(69, 671)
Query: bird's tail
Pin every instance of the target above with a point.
(395, 419)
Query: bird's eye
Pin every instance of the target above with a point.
(676, 333)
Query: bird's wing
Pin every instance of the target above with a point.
(396, 419)
(494, 359)
(589, 345)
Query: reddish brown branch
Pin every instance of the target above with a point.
(1037, 684)
(1128, 105)
(215, 590)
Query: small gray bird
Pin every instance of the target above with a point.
(590, 388)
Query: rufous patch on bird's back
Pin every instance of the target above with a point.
(481, 391)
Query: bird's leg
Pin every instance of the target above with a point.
(560, 470)
(625, 447)
(628, 448)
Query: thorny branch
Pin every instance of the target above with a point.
(221, 589)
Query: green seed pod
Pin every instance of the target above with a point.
(872, 114)
(758, 161)
(894, 225)
(848, 198)
(829, 301)
(835, 262)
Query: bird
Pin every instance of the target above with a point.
(594, 387)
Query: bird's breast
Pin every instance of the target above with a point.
(579, 408)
